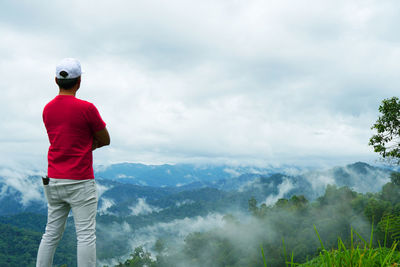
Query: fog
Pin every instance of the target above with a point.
(239, 230)
(20, 182)
(104, 205)
(173, 232)
(141, 208)
(283, 189)
(240, 233)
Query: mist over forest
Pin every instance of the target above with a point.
(206, 215)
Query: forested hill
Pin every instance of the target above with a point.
(119, 197)
(132, 215)
(233, 238)
(288, 230)
(20, 238)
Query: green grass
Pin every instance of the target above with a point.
(360, 253)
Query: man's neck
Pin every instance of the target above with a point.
(67, 92)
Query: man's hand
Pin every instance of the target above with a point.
(95, 144)
(101, 138)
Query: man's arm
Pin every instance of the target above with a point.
(101, 138)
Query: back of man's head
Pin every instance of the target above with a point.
(68, 73)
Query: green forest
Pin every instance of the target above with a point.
(286, 227)
(20, 238)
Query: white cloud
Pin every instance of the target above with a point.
(216, 81)
(283, 188)
(175, 231)
(371, 181)
(102, 188)
(30, 188)
(184, 202)
(319, 181)
(141, 207)
(232, 172)
(105, 205)
(253, 184)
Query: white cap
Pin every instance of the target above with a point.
(71, 66)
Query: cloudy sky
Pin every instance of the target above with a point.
(216, 81)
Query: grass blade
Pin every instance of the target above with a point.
(320, 241)
(284, 251)
(262, 252)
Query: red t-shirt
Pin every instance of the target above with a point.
(70, 124)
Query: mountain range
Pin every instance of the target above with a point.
(130, 188)
(140, 203)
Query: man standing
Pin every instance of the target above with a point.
(75, 129)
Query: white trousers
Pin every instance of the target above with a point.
(80, 197)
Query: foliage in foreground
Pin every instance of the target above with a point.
(357, 257)
(358, 254)
(386, 140)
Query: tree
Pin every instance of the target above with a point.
(395, 178)
(387, 140)
(376, 209)
(139, 258)
(253, 206)
(159, 246)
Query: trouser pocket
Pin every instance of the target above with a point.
(91, 189)
(81, 192)
(47, 193)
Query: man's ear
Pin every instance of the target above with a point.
(79, 82)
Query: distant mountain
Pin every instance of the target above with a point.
(127, 199)
(360, 177)
(172, 175)
(124, 196)
(21, 195)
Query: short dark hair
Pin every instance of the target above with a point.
(67, 84)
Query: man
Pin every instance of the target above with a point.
(75, 129)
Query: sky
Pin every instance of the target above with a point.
(214, 81)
